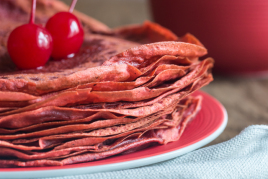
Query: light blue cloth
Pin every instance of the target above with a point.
(244, 156)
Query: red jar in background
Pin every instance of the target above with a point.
(235, 32)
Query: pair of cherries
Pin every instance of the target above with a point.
(30, 46)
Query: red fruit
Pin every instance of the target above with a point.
(29, 45)
(67, 34)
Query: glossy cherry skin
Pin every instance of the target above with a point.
(67, 34)
(29, 46)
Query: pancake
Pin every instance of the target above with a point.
(127, 89)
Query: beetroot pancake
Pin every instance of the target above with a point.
(126, 89)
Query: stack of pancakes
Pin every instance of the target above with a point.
(127, 88)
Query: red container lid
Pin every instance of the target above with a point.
(235, 32)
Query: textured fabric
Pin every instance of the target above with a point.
(244, 156)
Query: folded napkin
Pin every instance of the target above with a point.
(244, 156)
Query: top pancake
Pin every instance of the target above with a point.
(119, 57)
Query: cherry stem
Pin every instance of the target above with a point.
(32, 12)
(72, 6)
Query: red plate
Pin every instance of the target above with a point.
(208, 124)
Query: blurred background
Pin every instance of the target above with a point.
(115, 13)
(241, 73)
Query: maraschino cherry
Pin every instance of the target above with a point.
(29, 45)
(67, 34)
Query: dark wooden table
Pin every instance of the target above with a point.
(245, 99)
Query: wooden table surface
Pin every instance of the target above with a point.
(245, 99)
